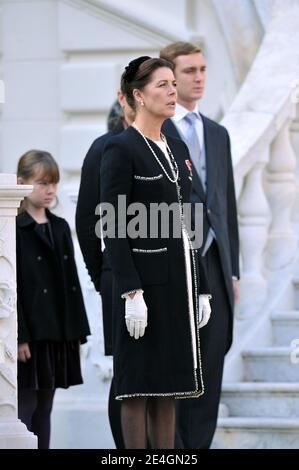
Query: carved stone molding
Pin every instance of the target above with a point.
(13, 434)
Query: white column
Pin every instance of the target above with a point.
(254, 213)
(13, 433)
(282, 242)
(30, 64)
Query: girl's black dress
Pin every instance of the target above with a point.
(55, 358)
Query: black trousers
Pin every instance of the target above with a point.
(197, 417)
(115, 418)
(114, 406)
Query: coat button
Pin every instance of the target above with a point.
(74, 288)
(65, 257)
(39, 258)
(45, 291)
(209, 211)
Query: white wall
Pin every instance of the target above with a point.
(61, 62)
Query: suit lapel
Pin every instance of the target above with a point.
(197, 185)
(170, 129)
(211, 148)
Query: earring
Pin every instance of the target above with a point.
(142, 103)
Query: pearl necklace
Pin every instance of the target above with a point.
(174, 163)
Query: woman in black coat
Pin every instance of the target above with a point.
(52, 321)
(156, 314)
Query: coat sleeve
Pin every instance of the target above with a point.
(23, 329)
(117, 180)
(204, 287)
(86, 218)
(81, 315)
(232, 216)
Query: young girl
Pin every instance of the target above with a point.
(52, 320)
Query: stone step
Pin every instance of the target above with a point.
(274, 364)
(271, 400)
(256, 433)
(285, 327)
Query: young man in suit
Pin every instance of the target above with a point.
(91, 246)
(212, 185)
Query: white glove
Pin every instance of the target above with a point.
(204, 309)
(136, 315)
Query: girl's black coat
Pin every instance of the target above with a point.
(50, 302)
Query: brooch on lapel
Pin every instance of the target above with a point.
(189, 166)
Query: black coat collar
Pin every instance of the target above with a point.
(156, 148)
(25, 220)
(119, 127)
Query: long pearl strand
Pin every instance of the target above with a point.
(175, 167)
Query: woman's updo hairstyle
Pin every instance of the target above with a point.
(138, 74)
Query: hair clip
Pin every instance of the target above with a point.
(132, 67)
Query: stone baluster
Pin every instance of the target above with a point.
(13, 433)
(282, 241)
(253, 215)
(294, 130)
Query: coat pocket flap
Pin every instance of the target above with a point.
(148, 178)
(152, 265)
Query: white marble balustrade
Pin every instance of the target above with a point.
(13, 433)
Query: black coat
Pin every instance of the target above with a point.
(94, 256)
(162, 361)
(50, 302)
(219, 201)
(88, 198)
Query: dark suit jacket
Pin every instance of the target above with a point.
(88, 199)
(50, 302)
(219, 201)
(95, 258)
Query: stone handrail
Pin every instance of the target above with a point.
(259, 122)
(264, 100)
(159, 31)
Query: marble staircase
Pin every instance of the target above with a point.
(262, 411)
